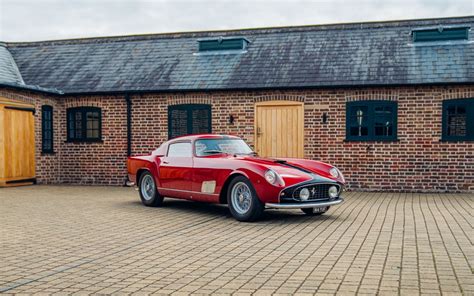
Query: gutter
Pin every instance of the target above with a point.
(54, 91)
(33, 88)
(344, 86)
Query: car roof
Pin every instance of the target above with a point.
(204, 136)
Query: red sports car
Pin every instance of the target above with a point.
(223, 169)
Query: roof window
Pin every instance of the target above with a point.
(440, 34)
(223, 44)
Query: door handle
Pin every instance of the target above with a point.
(259, 131)
(165, 162)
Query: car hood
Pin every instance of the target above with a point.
(294, 170)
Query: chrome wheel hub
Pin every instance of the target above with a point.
(147, 187)
(241, 197)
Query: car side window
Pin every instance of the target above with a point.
(180, 150)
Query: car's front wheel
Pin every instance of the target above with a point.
(315, 211)
(243, 201)
(148, 192)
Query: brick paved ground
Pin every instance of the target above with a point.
(101, 240)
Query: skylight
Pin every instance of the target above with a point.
(223, 44)
(440, 34)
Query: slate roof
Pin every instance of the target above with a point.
(380, 53)
(9, 72)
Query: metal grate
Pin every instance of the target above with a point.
(319, 191)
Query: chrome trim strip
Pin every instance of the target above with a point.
(304, 205)
(187, 191)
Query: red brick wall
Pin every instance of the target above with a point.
(418, 161)
(47, 165)
(101, 163)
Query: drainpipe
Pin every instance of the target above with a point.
(128, 100)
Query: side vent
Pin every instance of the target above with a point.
(223, 44)
(440, 34)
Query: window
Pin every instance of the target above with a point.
(233, 43)
(458, 120)
(181, 149)
(188, 119)
(440, 34)
(47, 129)
(206, 147)
(371, 121)
(84, 124)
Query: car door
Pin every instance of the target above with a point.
(209, 172)
(175, 170)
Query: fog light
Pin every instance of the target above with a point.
(333, 191)
(304, 194)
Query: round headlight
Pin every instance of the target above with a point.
(271, 177)
(334, 172)
(304, 194)
(333, 191)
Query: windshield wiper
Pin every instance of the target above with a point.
(213, 152)
(250, 153)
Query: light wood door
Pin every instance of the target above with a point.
(17, 144)
(279, 129)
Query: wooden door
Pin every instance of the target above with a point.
(279, 129)
(17, 144)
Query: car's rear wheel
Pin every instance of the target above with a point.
(148, 192)
(243, 201)
(315, 211)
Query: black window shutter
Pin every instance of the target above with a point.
(189, 119)
(458, 120)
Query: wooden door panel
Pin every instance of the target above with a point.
(18, 144)
(279, 129)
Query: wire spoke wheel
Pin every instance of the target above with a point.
(148, 187)
(241, 197)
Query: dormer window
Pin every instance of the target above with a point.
(440, 34)
(223, 44)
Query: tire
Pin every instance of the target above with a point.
(148, 193)
(243, 201)
(310, 211)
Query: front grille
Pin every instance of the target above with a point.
(318, 191)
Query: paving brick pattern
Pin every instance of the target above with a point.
(67, 239)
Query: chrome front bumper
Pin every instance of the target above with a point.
(316, 204)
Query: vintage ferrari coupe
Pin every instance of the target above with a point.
(223, 169)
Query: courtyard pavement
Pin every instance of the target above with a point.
(68, 239)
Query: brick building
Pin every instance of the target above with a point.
(390, 103)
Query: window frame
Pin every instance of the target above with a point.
(371, 105)
(440, 34)
(83, 111)
(222, 44)
(189, 124)
(180, 142)
(44, 109)
(469, 104)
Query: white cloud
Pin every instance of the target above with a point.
(23, 20)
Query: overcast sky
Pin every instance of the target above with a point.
(29, 20)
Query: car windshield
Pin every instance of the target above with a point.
(205, 147)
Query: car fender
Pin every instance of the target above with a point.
(265, 191)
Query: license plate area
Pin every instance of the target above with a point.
(320, 209)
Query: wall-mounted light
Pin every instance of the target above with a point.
(231, 119)
(325, 117)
